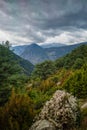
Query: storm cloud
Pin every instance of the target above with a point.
(43, 21)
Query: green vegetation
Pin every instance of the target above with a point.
(22, 96)
(77, 83)
(73, 60)
(17, 114)
(44, 70)
(14, 72)
(9, 71)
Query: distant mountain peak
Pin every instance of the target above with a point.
(33, 44)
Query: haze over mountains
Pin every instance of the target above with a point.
(37, 54)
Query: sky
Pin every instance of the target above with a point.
(43, 21)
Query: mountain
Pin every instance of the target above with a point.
(34, 53)
(49, 45)
(19, 49)
(56, 52)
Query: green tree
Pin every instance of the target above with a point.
(78, 63)
(9, 71)
(44, 70)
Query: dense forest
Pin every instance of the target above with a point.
(25, 88)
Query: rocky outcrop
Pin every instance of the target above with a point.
(60, 113)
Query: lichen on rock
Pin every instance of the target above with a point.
(61, 110)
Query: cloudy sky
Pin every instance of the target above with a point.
(43, 21)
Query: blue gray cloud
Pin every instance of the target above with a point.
(42, 21)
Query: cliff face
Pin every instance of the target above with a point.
(59, 113)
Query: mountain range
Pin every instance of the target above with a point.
(37, 54)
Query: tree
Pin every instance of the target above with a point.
(6, 44)
(9, 71)
(44, 70)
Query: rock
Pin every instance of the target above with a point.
(60, 113)
(43, 125)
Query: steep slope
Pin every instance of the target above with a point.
(57, 52)
(34, 53)
(26, 65)
(75, 59)
(19, 49)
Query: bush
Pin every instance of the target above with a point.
(17, 114)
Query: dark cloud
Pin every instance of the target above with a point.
(38, 21)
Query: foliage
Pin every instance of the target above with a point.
(41, 92)
(69, 72)
(44, 70)
(73, 60)
(12, 72)
(77, 83)
(17, 114)
(8, 69)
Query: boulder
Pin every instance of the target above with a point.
(43, 125)
(61, 112)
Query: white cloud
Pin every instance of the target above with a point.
(13, 38)
(69, 37)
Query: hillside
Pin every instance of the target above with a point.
(70, 75)
(14, 72)
(57, 52)
(18, 49)
(26, 66)
(74, 60)
(28, 98)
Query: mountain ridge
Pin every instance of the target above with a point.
(36, 54)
